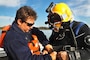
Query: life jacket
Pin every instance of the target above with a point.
(3, 33)
(33, 44)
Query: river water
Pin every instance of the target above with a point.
(0, 31)
(47, 33)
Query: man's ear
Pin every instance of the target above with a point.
(19, 21)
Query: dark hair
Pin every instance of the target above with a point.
(24, 12)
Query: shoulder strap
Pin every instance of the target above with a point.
(77, 28)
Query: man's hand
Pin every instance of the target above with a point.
(49, 48)
(62, 55)
(53, 55)
(45, 52)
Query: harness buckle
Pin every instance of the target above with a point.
(68, 48)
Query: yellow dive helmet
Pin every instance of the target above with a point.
(63, 10)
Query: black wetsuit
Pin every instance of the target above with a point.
(65, 37)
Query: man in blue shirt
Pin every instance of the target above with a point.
(20, 33)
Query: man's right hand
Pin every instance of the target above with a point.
(62, 55)
(53, 55)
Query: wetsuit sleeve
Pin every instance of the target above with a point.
(84, 42)
(41, 36)
(85, 36)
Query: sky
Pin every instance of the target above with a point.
(8, 8)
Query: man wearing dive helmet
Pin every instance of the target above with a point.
(69, 38)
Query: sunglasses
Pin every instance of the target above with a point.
(29, 24)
